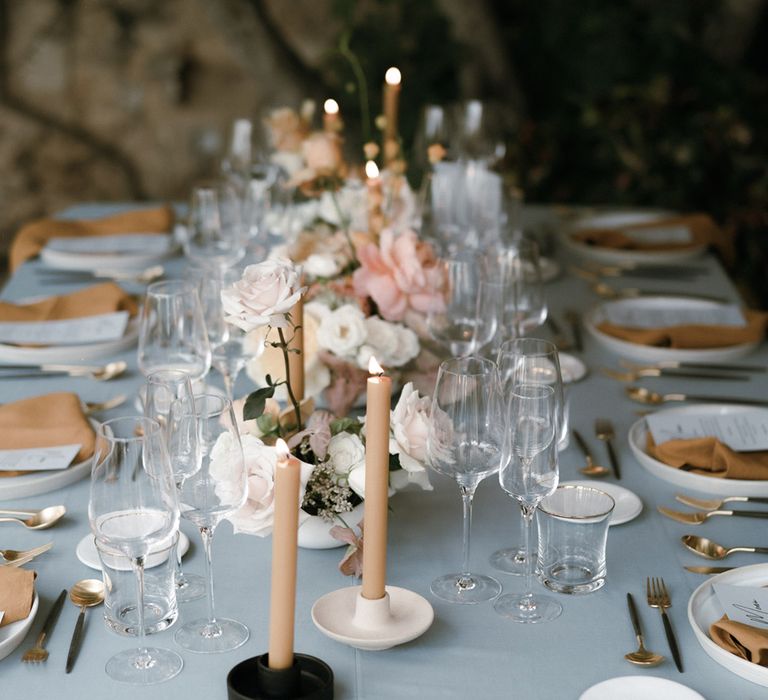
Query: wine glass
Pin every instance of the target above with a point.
(164, 391)
(529, 361)
(479, 132)
(215, 491)
(465, 319)
(216, 235)
(464, 441)
(172, 333)
(133, 509)
(529, 472)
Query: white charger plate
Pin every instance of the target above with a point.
(647, 353)
(618, 256)
(704, 609)
(12, 635)
(628, 504)
(45, 481)
(120, 260)
(639, 688)
(689, 480)
(87, 554)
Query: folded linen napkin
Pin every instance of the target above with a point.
(17, 593)
(704, 231)
(46, 421)
(745, 641)
(710, 457)
(91, 301)
(32, 238)
(693, 336)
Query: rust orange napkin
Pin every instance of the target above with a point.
(745, 641)
(91, 301)
(693, 336)
(32, 238)
(710, 457)
(704, 231)
(17, 593)
(46, 421)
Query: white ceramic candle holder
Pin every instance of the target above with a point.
(400, 616)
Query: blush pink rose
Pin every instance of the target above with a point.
(399, 274)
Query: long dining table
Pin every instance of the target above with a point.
(469, 651)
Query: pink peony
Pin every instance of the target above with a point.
(399, 274)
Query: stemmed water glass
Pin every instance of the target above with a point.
(529, 361)
(529, 472)
(172, 333)
(464, 441)
(133, 509)
(466, 317)
(216, 235)
(215, 491)
(166, 390)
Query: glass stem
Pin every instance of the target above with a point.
(206, 533)
(527, 601)
(465, 578)
(227, 383)
(143, 659)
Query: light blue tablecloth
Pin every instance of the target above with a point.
(469, 652)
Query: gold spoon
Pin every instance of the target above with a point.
(641, 657)
(35, 520)
(86, 594)
(591, 469)
(643, 395)
(92, 407)
(711, 550)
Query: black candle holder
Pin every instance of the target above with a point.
(309, 678)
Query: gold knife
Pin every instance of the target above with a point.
(698, 517)
(709, 569)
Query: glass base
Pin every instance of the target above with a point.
(189, 587)
(526, 609)
(511, 560)
(144, 666)
(204, 637)
(458, 588)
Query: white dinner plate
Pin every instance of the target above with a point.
(12, 635)
(689, 480)
(648, 353)
(117, 260)
(628, 504)
(550, 269)
(87, 554)
(44, 481)
(572, 368)
(617, 256)
(704, 609)
(639, 688)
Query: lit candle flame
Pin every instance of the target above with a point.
(393, 76)
(371, 170)
(330, 106)
(374, 367)
(281, 447)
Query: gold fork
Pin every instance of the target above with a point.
(658, 597)
(38, 652)
(12, 555)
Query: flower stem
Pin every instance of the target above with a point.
(296, 408)
(345, 227)
(362, 87)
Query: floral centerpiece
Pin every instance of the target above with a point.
(331, 447)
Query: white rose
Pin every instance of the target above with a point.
(263, 295)
(393, 345)
(406, 348)
(409, 422)
(321, 265)
(342, 331)
(346, 453)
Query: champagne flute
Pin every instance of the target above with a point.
(529, 472)
(215, 491)
(529, 361)
(165, 390)
(133, 509)
(464, 441)
(172, 332)
(466, 318)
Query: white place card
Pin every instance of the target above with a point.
(102, 328)
(144, 243)
(659, 234)
(662, 316)
(745, 604)
(38, 458)
(745, 431)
